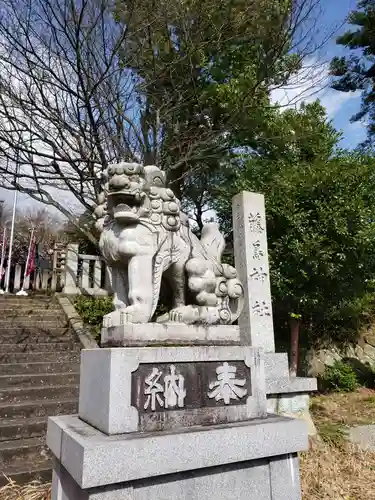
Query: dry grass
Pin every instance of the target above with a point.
(345, 409)
(337, 473)
(332, 469)
(30, 491)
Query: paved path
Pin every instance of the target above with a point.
(364, 436)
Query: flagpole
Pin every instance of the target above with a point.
(7, 279)
(2, 256)
(22, 291)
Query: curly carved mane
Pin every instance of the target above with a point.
(142, 192)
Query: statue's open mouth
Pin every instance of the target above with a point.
(125, 205)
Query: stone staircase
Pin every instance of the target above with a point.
(39, 376)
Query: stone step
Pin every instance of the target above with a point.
(36, 408)
(22, 428)
(34, 368)
(40, 357)
(12, 312)
(34, 296)
(13, 302)
(44, 380)
(18, 314)
(26, 322)
(22, 473)
(30, 450)
(44, 392)
(31, 329)
(71, 346)
(28, 337)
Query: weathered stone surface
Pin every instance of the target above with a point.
(189, 386)
(363, 352)
(168, 333)
(34, 382)
(316, 367)
(370, 339)
(144, 236)
(364, 436)
(112, 379)
(94, 459)
(358, 351)
(71, 263)
(284, 477)
(369, 351)
(251, 258)
(290, 385)
(294, 406)
(277, 479)
(350, 351)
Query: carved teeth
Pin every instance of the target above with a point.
(122, 208)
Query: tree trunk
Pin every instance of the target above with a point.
(294, 324)
(199, 216)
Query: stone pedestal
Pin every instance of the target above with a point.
(125, 389)
(115, 333)
(190, 422)
(256, 460)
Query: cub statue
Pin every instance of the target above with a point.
(147, 244)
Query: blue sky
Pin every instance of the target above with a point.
(341, 106)
(336, 11)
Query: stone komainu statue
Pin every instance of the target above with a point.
(147, 244)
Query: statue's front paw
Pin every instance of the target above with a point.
(183, 314)
(136, 313)
(130, 314)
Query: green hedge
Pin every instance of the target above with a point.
(92, 310)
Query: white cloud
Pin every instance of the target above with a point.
(312, 82)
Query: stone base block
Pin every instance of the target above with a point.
(292, 405)
(165, 388)
(287, 385)
(255, 460)
(136, 334)
(276, 365)
(288, 396)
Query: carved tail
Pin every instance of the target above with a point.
(166, 252)
(213, 241)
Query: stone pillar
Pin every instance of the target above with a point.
(98, 275)
(71, 270)
(251, 262)
(17, 278)
(286, 396)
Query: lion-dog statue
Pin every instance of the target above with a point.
(147, 244)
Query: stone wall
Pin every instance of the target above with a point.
(362, 353)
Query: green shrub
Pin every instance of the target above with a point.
(339, 377)
(92, 310)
